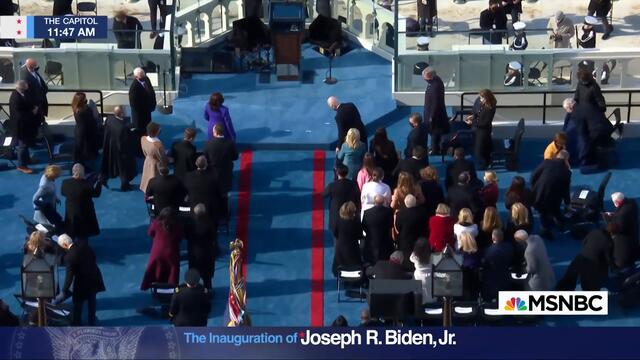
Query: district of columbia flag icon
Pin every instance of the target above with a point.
(14, 27)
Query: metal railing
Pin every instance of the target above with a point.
(99, 99)
(628, 104)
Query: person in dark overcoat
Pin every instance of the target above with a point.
(202, 244)
(83, 272)
(591, 264)
(23, 124)
(184, 154)
(347, 233)
(80, 214)
(86, 142)
(191, 302)
(551, 185)
(376, 223)
(435, 108)
(339, 192)
(203, 188)
(119, 149)
(484, 109)
(411, 224)
(347, 117)
(142, 99)
(37, 89)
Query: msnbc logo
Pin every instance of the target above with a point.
(515, 304)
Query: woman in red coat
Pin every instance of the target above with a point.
(441, 229)
(164, 259)
(490, 191)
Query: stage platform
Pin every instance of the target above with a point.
(290, 114)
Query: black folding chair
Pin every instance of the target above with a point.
(87, 7)
(505, 151)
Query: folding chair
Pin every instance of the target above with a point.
(87, 6)
(353, 275)
(7, 142)
(57, 315)
(53, 72)
(161, 295)
(535, 73)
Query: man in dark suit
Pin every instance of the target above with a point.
(221, 153)
(551, 184)
(81, 221)
(493, 18)
(391, 269)
(127, 30)
(191, 302)
(496, 262)
(142, 99)
(119, 149)
(435, 109)
(410, 223)
(418, 161)
(202, 188)
(594, 128)
(591, 264)
(202, 244)
(339, 192)
(23, 123)
(463, 195)
(83, 272)
(457, 167)
(37, 88)
(418, 136)
(376, 223)
(625, 216)
(347, 117)
(166, 190)
(184, 154)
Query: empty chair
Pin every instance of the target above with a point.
(352, 276)
(87, 7)
(53, 73)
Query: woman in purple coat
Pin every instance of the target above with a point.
(164, 259)
(216, 113)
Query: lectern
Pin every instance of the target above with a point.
(287, 28)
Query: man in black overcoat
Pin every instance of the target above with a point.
(339, 192)
(119, 149)
(80, 214)
(376, 223)
(435, 109)
(347, 117)
(551, 185)
(142, 99)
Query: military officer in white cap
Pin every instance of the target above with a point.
(588, 38)
(423, 43)
(520, 39)
(514, 74)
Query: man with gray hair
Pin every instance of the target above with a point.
(411, 223)
(376, 223)
(496, 263)
(203, 188)
(24, 125)
(118, 151)
(625, 216)
(391, 269)
(80, 214)
(82, 271)
(435, 108)
(347, 117)
(142, 99)
(541, 276)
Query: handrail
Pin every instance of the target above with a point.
(544, 94)
(99, 103)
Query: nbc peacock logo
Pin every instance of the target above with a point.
(515, 303)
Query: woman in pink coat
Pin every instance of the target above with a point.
(164, 259)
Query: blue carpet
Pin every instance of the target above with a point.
(279, 267)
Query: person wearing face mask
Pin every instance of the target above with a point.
(484, 109)
(520, 38)
(37, 89)
(562, 30)
(418, 136)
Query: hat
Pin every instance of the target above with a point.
(192, 277)
(591, 20)
(423, 43)
(519, 25)
(559, 16)
(515, 65)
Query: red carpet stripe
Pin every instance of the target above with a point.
(244, 194)
(317, 240)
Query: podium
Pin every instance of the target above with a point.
(287, 29)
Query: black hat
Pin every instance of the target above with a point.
(192, 277)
